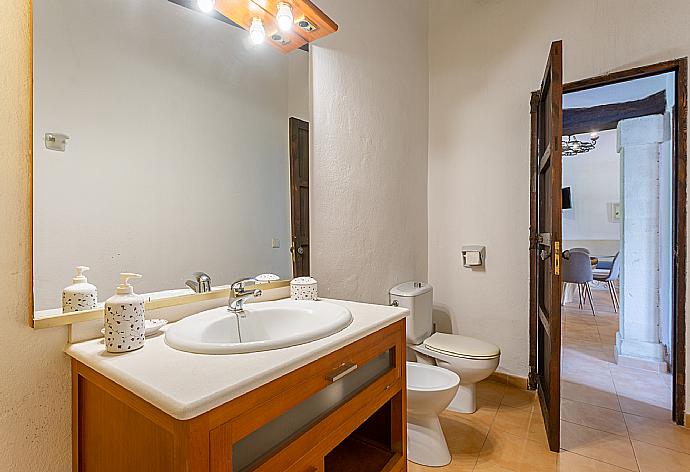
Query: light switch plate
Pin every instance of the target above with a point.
(275, 243)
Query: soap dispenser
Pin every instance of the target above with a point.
(124, 317)
(81, 295)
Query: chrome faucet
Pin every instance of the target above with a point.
(239, 294)
(201, 283)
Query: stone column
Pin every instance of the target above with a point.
(637, 341)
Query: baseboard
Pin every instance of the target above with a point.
(510, 379)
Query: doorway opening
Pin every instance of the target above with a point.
(618, 236)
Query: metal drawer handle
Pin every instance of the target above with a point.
(344, 369)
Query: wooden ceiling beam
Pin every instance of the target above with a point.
(605, 117)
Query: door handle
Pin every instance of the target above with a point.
(295, 249)
(557, 258)
(340, 372)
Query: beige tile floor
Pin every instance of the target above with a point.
(612, 418)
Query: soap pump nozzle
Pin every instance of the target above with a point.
(80, 278)
(125, 288)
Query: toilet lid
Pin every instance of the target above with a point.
(462, 346)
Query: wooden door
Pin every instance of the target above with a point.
(299, 196)
(545, 248)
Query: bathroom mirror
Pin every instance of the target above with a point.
(161, 146)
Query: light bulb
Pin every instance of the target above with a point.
(206, 6)
(284, 16)
(594, 136)
(257, 33)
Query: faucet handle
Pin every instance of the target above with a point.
(238, 287)
(201, 282)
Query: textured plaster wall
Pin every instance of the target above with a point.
(369, 140)
(34, 373)
(485, 57)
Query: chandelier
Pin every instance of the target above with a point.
(573, 146)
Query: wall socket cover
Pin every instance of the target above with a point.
(55, 141)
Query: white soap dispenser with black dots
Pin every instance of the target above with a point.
(124, 317)
(81, 295)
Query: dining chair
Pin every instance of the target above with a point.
(610, 276)
(577, 269)
(579, 249)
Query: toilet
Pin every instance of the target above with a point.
(472, 359)
(429, 391)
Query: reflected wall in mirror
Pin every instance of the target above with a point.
(178, 157)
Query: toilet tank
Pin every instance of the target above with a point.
(418, 298)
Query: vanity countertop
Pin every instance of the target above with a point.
(186, 385)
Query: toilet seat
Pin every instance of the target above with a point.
(464, 347)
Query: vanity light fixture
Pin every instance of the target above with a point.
(284, 16)
(257, 33)
(207, 6)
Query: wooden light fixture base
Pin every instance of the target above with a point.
(243, 11)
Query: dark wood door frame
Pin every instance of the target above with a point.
(680, 67)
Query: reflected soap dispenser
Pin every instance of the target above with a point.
(124, 317)
(81, 295)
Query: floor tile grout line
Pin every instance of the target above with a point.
(658, 446)
(491, 425)
(591, 404)
(598, 429)
(620, 411)
(631, 443)
(601, 461)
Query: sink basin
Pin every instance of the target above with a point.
(262, 326)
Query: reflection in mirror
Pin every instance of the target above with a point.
(176, 147)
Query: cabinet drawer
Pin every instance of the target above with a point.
(293, 406)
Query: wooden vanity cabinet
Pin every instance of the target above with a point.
(290, 424)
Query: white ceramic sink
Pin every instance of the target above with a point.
(262, 326)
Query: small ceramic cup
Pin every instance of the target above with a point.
(304, 288)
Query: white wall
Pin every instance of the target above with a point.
(369, 140)
(178, 157)
(35, 408)
(485, 57)
(299, 88)
(594, 181)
